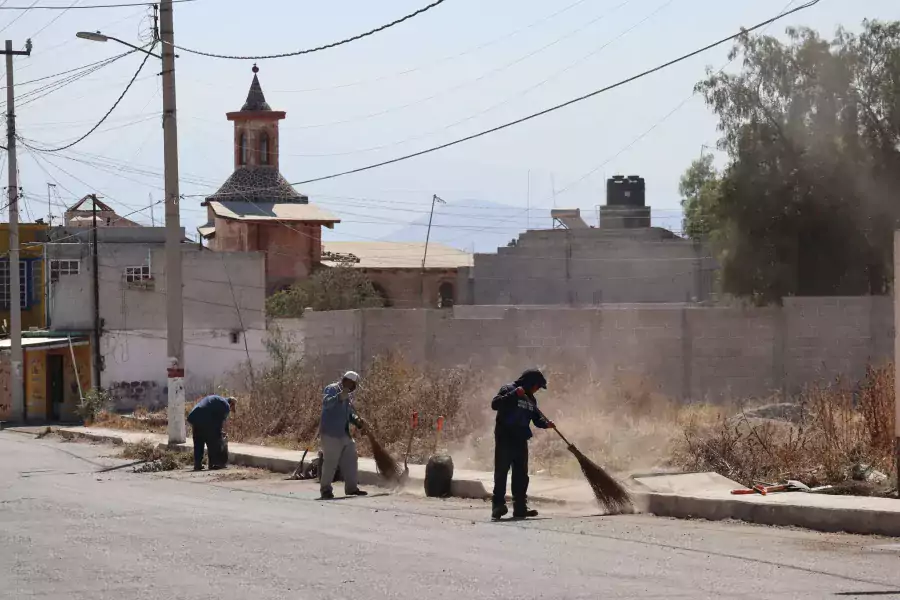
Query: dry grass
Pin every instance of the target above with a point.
(837, 430)
(155, 459)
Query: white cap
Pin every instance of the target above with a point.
(352, 376)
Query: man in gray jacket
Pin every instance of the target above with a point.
(338, 448)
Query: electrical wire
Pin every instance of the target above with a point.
(24, 11)
(109, 112)
(87, 7)
(317, 48)
(557, 107)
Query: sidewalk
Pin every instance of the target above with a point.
(680, 495)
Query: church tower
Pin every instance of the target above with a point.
(256, 129)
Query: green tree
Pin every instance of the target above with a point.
(806, 203)
(341, 287)
(699, 189)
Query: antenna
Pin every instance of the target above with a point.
(50, 186)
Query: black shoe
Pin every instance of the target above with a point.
(525, 514)
(217, 467)
(357, 493)
(198, 467)
(327, 496)
(498, 512)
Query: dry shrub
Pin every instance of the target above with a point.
(155, 459)
(839, 428)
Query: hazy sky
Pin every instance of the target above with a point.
(465, 66)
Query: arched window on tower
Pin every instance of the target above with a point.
(264, 149)
(242, 158)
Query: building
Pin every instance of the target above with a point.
(256, 209)
(624, 260)
(396, 270)
(82, 214)
(31, 275)
(224, 309)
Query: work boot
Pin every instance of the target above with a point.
(357, 493)
(327, 495)
(524, 513)
(198, 467)
(498, 512)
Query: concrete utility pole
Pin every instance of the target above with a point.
(95, 258)
(174, 300)
(15, 301)
(896, 357)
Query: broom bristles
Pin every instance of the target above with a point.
(609, 492)
(386, 464)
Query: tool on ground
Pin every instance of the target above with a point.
(792, 485)
(413, 425)
(387, 466)
(439, 470)
(609, 493)
(298, 472)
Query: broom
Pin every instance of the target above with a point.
(609, 493)
(385, 463)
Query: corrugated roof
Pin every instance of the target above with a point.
(272, 211)
(40, 341)
(399, 255)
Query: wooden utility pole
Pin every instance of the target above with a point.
(15, 300)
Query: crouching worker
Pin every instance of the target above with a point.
(207, 420)
(338, 448)
(516, 409)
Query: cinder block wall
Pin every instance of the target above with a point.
(688, 352)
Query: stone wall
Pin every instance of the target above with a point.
(684, 351)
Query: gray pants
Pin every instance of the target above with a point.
(338, 451)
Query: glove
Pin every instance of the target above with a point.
(362, 424)
(520, 392)
(551, 425)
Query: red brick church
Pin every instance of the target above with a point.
(256, 209)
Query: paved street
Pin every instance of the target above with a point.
(69, 532)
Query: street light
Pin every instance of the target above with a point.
(96, 36)
(174, 286)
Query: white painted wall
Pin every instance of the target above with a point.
(135, 360)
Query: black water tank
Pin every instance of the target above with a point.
(625, 191)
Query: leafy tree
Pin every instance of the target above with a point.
(807, 203)
(330, 288)
(699, 189)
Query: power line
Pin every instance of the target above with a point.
(100, 122)
(317, 48)
(546, 111)
(91, 6)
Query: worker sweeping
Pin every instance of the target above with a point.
(516, 409)
(207, 420)
(338, 448)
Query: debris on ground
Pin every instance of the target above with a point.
(155, 459)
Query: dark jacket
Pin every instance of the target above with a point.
(210, 411)
(516, 414)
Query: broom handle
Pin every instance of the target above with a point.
(556, 429)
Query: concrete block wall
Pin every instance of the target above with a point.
(682, 351)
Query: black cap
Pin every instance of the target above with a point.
(531, 378)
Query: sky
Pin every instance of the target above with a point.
(464, 66)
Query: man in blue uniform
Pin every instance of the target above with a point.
(516, 409)
(207, 419)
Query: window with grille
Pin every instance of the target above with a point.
(59, 268)
(26, 285)
(137, 274)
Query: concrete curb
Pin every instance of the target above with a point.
(817, 518)
(460, 488)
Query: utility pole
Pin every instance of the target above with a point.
(174, 300)
(15, 300)
(98, 356)
(50, 205)
(434, 198)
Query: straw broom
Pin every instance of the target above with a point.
(609, 493)
(387, 466)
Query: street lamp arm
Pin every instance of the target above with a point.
(100, 37)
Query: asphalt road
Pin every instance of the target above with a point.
(69, 532)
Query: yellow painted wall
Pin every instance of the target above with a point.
(36, 384)
(29, 232)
